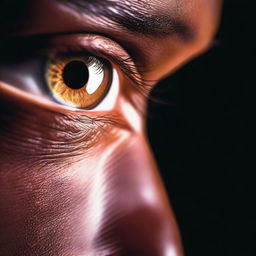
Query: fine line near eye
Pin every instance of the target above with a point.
(94, 45)
(19, 46)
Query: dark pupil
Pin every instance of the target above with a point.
(75, 74)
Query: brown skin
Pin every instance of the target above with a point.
(85, 183)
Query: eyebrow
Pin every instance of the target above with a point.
(136, 16)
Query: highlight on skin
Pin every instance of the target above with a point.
(77, 175)
(78, 81)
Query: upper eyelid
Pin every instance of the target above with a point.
(92, 44)
(13, 47)
(30, 43)
(104, 47)
(16, 45)
(107, 48)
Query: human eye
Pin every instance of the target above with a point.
(78, 80)
(79, 72)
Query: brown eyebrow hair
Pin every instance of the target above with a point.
(137, 17)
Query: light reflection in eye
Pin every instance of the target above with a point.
(110, 99)
(95, 79)
(78, 81)
(36, 69)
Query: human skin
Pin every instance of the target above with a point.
(79, 182)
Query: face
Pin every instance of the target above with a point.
(77, 176)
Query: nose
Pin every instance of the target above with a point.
(137, 220)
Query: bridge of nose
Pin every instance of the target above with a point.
(136, 219)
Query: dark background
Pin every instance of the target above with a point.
(203, 141)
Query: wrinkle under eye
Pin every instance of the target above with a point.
(75, 74)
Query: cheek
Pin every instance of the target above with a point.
(31, 135)
(51, 200)
(73, 186)
(48, 179)
(89, 203)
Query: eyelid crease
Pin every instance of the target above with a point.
(126, 64)
(22, 46)
(96, 45)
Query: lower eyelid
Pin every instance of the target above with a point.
(44, 135)
(21, 97)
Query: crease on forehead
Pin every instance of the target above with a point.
(96, 6)
(143, 17)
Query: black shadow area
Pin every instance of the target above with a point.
(203, 139)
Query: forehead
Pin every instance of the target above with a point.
(150, 7)
(165, 17)
(152, 31)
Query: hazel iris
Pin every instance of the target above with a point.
(77, 80)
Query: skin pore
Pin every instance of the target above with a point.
(78, 181)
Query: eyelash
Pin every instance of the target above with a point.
(41, 46)
(125, 65)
